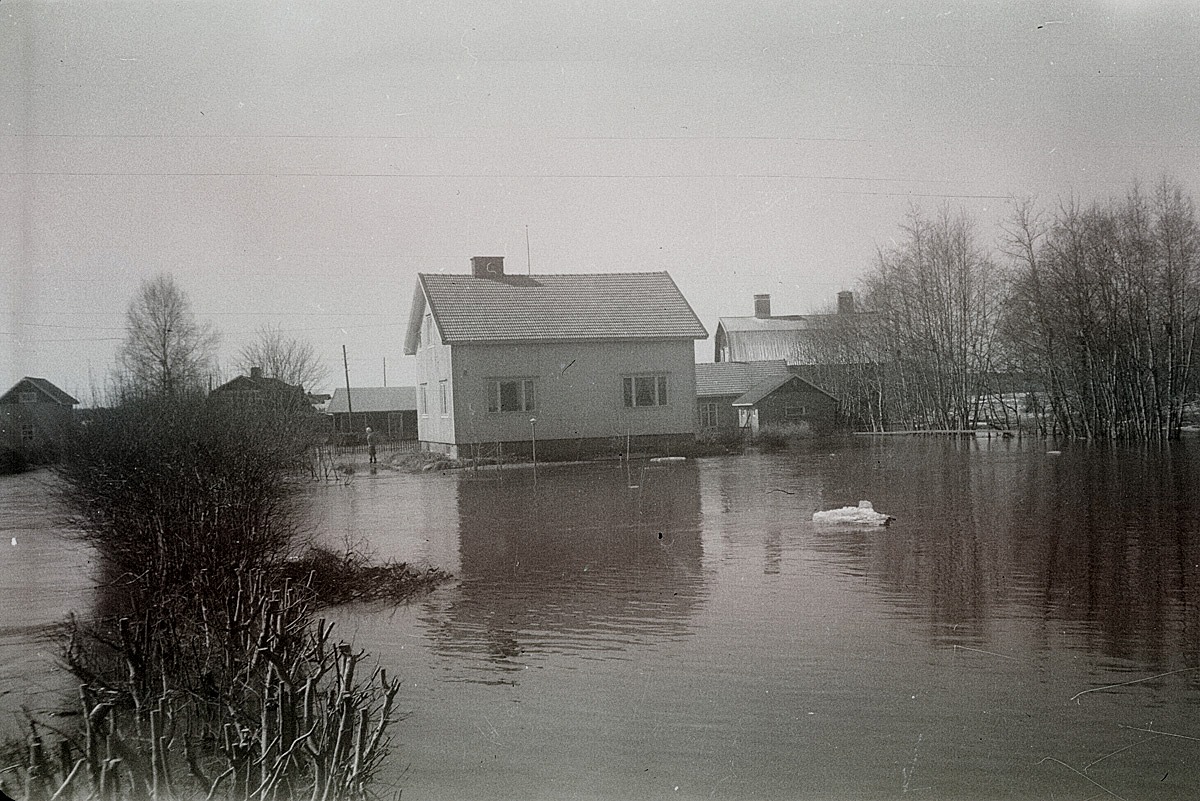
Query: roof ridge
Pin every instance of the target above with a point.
(549, 275)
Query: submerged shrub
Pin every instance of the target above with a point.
(720, 442)
(166, 490)
(772, 439)
(204, 674)
(12, 460)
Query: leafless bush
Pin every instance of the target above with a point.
(205, 674)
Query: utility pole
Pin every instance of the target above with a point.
(349, 398)
(385, 371)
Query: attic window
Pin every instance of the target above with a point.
(427, 330)
(26, 397)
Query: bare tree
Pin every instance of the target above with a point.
(166, 351)
(934, 299)
(1105, 313)
(291, 360)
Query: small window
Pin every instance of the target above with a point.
(422, 400)
(793, 411)
(708, 416)
(510, 395)
(427, 331)
(28, 434)
(443, 397)
(646, 390)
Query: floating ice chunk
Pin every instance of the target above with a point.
(862, 515)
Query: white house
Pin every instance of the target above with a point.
(578, 364)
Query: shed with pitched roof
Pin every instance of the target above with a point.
(389, 411)
(35, 416)
(750, 395)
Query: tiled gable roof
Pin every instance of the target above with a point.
(45, 387)
(772, 383)
(734, 378)
(607, 306)
(374, 399)
(260, 384)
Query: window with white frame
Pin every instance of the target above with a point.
(645, 390)
(423, 399)
(708, 415)
(510, 395)
(444, 397)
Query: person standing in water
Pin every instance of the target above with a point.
(371, 444)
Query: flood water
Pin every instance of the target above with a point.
(1027, 628)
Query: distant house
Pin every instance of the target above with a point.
(35, 416)
(764, 336)
(750, 395)
(579, 364)
(390, 411)
(786, 401)
(258, 391)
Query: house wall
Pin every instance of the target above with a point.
(727, 416)
(434, 365)
(579, 392)
(394, 426)
(38, 426)
(819, 409)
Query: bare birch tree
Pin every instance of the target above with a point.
(1105, 312)
(935, 299)
(166, 352)
(291, 360)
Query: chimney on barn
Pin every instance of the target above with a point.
(846, 302)
(762, 306)
(256, 373)
(487, 266)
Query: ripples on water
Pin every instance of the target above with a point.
(747, 654)
(684, 631)
(44, 576)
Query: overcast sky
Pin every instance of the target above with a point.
(299, 163)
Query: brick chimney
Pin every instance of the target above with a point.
(487, 266)
(846, 302)
(762, 306)
(256, 373)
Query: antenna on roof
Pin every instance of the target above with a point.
(528, 261)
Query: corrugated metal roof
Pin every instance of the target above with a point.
(789, 322)
(734, 378)
(374, 399)
(609, 306)
(764, 344)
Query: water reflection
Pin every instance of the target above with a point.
(1105, 541)
(582, 559)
